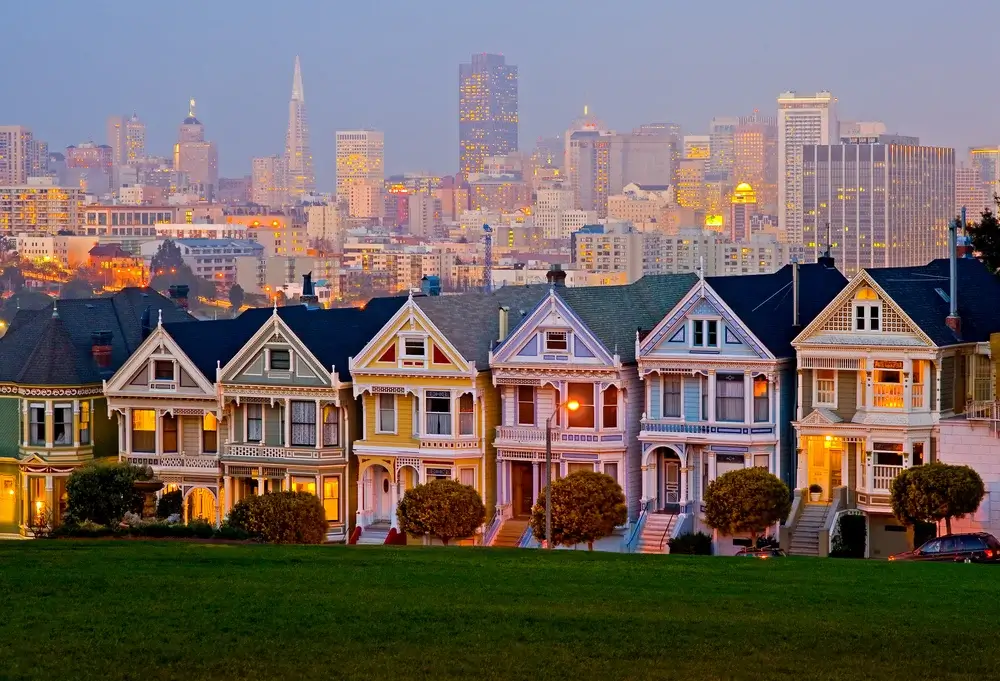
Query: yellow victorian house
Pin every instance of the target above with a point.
(428, 406)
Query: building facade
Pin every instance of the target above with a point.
(301, 178)
(802, 120)
(360, 158)
(487, 111)
(39, 207)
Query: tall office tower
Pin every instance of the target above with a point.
(721, 145)
(802, 119)
(590, 170)
(298, 157)
(196, 157)
(267, 181)
(116, 138)
(127, 139)
(588, 122)
(640, 159)
(691, 190)
(698, 147)
(38, 158)
(672, 131)
(742, 208)
(360, 158)
(971, 193)
(885, 204)
(986, 160)
(487, 111)
(15, 152)
(755, 162)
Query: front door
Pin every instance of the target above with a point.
(383, 501)
(522, 496)
(671, 482)
(819, 467)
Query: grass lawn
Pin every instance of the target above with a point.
(136, 610)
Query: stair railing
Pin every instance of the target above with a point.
(633, 536)
(670, 525)
(494, 525)
(526, 537)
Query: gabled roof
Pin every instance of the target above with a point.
(765, 302)
(45, 349)
(331, 335)
(922, 293)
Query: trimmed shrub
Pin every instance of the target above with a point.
(746, 500)
(586, 506)
(446, 509)
(230, 532)
(851, 535)
(103, 493)
(281, 518)
(697, 544)
(936, 491)
(171, 503)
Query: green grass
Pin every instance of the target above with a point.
(156, 611)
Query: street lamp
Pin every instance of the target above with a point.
(571, 405)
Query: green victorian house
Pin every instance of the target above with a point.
(53, 416)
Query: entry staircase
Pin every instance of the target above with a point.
(510, 533)
(805, 533)
(374, 534)
(656, 533)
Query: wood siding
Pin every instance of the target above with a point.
(947, 383)
(847, 394)
(807, 391)
(490, 404)
(635, 398)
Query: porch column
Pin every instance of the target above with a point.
(319, 425)
(286, 484)
(76, 423)
(645, 482)
(684, 484)
(184, 507)
(907, 384)
(798, 407)
(393, 503)
(500, 484)
(128, 429)
(227, 499)
(158, 439)
(261, 480)
(747, 397)
(534, 481)
(25, 501)
(844, 472)
(25, 423)
(711, 395)
(713, 468)
(288, 422)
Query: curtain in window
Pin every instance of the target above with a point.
(729, 397)
(303, 424)
(329, 426)
(672, 396)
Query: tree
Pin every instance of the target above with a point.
(76, 288)
(167, 257)
(236, 298)
(12, 279)
(936, 491)
(442, 508)
(586, 506)
(985, 236)
(747, 500)
(103, 493)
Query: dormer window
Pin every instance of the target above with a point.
(556, 341)
(414, 348)
(705, 333)
(279, 360)
(163, 370)
(867, 311)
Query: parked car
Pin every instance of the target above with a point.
(974, 547)
(763, 552)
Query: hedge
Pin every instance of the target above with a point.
(281, 518)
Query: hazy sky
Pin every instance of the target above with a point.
(923, 67)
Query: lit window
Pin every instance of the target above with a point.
(826, 387)
(583, 416)
(331, 498)
(760, 399)
(209, 434)
(143, 430)
(85, 423)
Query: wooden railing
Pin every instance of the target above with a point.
(983, 410)
(200, 461)
(917, 396)
(521, 433)
(889, 395)
(882, 477)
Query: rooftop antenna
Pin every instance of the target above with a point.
(829, 241)
(701, 267)
(488, 265)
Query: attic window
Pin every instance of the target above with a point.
(279, 360)
(163, 370)
(556, 341)
(414, 347)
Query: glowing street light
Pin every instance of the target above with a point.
(571, 405)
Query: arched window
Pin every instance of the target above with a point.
(609, 417)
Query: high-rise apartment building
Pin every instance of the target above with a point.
(697, 147)
(986, 160)
(590, 170)
(886, 204)
(360, 158)
(639, 159)
(268, 175)
(127, 139)
(802, 120)
(971, 193)
(721, 145)
(298, 157)
(39, 206)
(487, 111)
(15, 152)
(755, 162)
(193, 156)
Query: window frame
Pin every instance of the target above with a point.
(156, 370)
(759, 400)
(67, 424)
(331, 424)
(164, 430)
(520, 404)
(86, 413)
(868, 316)
(209, 435)
(133, 431)
(466, 415)
(817, 392)
(704, 331)
(442, 419)
(671, 379)
(573, 418)
(284, 356)
(719, 381)
(336, 480)
(554, 333)
(306, 430)
(381, 409)
(33, 441)
(610, 408)
(248, 419)
(404, 351)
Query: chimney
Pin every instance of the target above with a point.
(795, 293)
(179, 294)
(555, 276)
(308, 297)
(100, 348)
(953, 321)
(504, 323)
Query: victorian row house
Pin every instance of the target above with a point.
(53, 415)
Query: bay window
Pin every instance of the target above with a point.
(330, 426)
(888, 387)
(583, 393)
(386, 417)
(303, 424)
(672, 396)
(438, 408)
(255, 422)
(826, 387)
(143, 430)
(85, 422)
(209, 434)
(609, 414)
(525, 405)
(36, 424)
(62, 425)
(729, 392)
(761, 399)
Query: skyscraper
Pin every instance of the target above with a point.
(267, 181)
(641, 159)
(722, 134)
(590, 170)
(195, 157)
(487, 111)
(360, 158)
(127, 139)
(986, 160)
(971, 193)
(886, 204)
(755, 158)
(298, 157)
(802, 119)
(15, 153)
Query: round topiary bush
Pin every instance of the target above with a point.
(746, 501)
(446, 509)
(586, 506)
(281, 518)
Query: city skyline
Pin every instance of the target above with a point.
(882, 79)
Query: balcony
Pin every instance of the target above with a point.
(249, 452)
(534, 437)
(680, 431)
(469, 444)
(889, 395)
(875, 486)
(177, 463)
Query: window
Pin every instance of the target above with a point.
(85, 422)
(143, 430)
(62, 425)
(762, 460)
(209, 434)
(386, 422)
(931, 547)
(438, 408)
(330, 426)
(556, 341)
(414, 347)
(467, 476)
(525, 405)
(705, 333)
(761, 412)
(169, 433)
(826, 387)
(36, 424)
(572, 468)
(303, 424)
(611, 470)
(279, 360)
(867, 316)
(918, 454)
(672, 396)
(609, 415)
(438, 474)
(729, 397)
(331, 498)
(8, 503)
(303, 485)
(466, 417)
(255, 422)
(163, 370)
(583, 417)
(888, 388)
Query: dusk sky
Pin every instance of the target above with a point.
(923, 67)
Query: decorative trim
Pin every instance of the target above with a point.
(29, 391)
